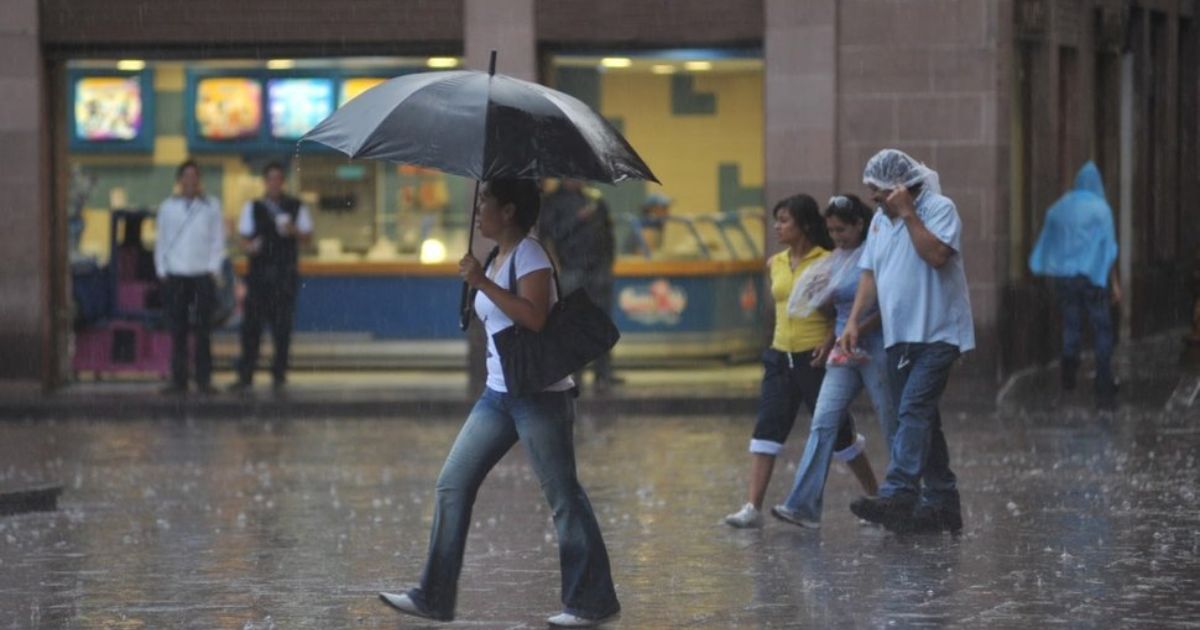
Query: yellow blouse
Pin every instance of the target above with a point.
(795, 334)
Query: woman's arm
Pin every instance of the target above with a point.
(528, 307)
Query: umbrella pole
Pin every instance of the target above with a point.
(464, 303)
(464, 306)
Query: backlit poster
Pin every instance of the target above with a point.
(297, 105)
(108, 108)
(228, 108)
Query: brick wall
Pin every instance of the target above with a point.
(214, 24)
(657, 23)
(24, 273)
(929, 77)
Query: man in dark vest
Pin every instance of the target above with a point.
(271, 229)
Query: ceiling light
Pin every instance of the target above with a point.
(616, 62)
(698, 66)
(281, 64)
(132, 65)
(442, 62)
(662, 68)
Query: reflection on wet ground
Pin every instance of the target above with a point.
(1071, 519)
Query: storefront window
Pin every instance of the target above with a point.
(235, 116)
(696, 117)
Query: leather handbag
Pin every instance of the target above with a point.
(576, 333)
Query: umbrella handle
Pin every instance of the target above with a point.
(464, 308)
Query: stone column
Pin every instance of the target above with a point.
(800, 95)
(506, 26)
(25, 282)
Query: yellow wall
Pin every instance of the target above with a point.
(685, 150)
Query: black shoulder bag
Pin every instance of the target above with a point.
(576, 333)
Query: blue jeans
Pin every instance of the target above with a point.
(841, 386)
(1077, 296)
(920, 464)
(544, 424)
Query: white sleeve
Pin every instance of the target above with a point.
(304, 223)
(217, 254)
(161, 223)
(246, 221)
(530, 257)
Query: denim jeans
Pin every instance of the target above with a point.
(841, 386)
(1077, 296)
(920, 464)
(544, 424)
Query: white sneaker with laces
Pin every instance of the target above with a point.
(786, 515)
(567, 620)
(746, 518)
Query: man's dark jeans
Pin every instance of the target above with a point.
(919, 469)
(1077, 296)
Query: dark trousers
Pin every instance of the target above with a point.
(270, 305)
(190, 303)
(1077, 296)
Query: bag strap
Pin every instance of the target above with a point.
(187, 218)
(512, 270)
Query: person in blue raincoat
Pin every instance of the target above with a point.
(1078, 250)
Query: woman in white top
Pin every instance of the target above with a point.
(543, 423)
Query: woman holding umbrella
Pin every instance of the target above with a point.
(543, 423)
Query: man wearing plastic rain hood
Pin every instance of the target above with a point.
(1078, 249)
(912, 267)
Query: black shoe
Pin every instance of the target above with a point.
(206, 390)
(885, 511)
(174, 390)
(926, 519)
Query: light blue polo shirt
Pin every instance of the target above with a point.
(918, 303)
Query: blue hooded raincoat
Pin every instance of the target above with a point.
(1078, 237)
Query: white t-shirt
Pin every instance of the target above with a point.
(528, 257)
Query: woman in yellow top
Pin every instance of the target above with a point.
(794, 365)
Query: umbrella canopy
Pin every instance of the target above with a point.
(480, 125)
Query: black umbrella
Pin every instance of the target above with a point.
(481, 125)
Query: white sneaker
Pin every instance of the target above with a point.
(786, 515)
(745, 518)
(403, 603)
(567, 620)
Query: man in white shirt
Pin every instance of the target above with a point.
(912, 268)
(271, 230)
(188, 250)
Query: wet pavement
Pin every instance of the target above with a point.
(1072, 518)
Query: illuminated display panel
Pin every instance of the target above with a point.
(228, 108)
(298, 104)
